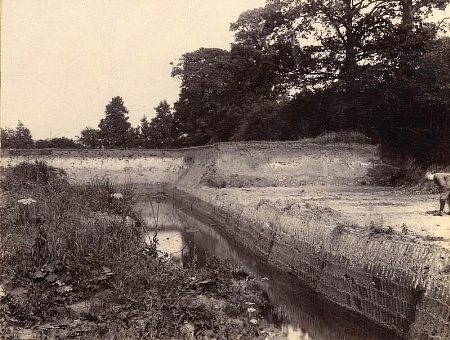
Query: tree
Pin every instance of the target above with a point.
(339, 40)
(134, 137)
(162, 126)
(265, 65)
(7, 138)
(19, 138)
(160, 132)
(145, 134)
(90, 138)
(115, 130)
(221, 90)
(358, 62)
(415, 107)
(203, 111)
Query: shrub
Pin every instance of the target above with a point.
(345, 136)
(28, 175)
(376, 229)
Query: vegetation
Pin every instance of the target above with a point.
(301, 69)
(115, 128)
(57, 143)
(369, 68)
(160, 131)
(90, 138)
(18, 138)
(76, 266)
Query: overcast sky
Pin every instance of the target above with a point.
(63, 60)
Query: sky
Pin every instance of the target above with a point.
(62, 61)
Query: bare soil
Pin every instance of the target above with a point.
(338, 177)
(330, 183)
(412, 214)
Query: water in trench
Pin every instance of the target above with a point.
(297, 311)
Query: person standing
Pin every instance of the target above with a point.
(442, 179)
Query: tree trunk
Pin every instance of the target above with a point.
(350, 53)
(407, 12)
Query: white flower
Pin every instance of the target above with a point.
(26, 201)
(129, 222)
(253, 321)
(117, 196)
(251, 310)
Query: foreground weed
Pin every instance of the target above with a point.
(100, 194)
(344, 227)
(376, 229)
(83, 244)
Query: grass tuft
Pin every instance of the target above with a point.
(376, 229)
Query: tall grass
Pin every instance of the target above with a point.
(75, 225)
(75, 242)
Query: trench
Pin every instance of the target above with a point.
(400, 285)
(294, 309)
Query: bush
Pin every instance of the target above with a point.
(27, 175)
(345, 136)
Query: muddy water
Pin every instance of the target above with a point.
(296, 311)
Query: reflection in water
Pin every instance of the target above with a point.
(299, 312)
(170, 242)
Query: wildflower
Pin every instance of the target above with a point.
(251, 310)
(26, 201)
(117, 196)
(129, 222)
(253, 321)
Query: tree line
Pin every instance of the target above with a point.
(303, 68)
(114, 131)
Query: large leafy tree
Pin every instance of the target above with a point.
(265, 67)
(360, 64)
(339, 40)
(233, 95)
(415, 108)
(114, 129)
(90, 138)
(204, 111)
(18, 138)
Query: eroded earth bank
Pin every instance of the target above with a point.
(312, 211)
